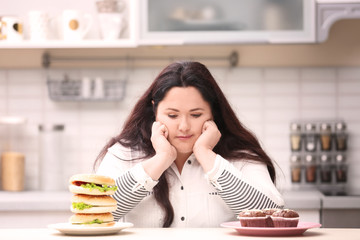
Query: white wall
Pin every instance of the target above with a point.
(265, 99)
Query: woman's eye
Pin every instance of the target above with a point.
(172, 115)
(196, 115)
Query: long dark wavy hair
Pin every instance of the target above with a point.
(236, 141)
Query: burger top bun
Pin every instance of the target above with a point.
(94, 200)
(92, 178)
(101, 185)
(106, 219)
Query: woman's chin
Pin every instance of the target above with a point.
(184, 149)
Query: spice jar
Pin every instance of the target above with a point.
(325, 137)
(340, 136)
(341, 168)
(310, 168)
(295, 168)
(325, 168)
(295, 136)
(310, 137)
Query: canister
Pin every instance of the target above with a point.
(51, 157)
(12, 171)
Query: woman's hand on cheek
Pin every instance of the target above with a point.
(160, 142)
(165, 152)
(203, 147)
(209, 137)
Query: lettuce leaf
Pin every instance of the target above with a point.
(102, 188)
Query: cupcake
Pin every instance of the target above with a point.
(252, 218)
(285, 218)
(269, 212)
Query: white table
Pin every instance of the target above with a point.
(177, 234)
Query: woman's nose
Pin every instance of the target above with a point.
(184, 124)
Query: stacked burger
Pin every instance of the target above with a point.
(92, 203)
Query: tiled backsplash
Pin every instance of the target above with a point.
(265, 99)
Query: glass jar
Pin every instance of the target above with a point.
(51, 158)
(310, 169)
(296, 166)
(341, 168)
(325, 169)
(325, 137)
(295, 137)
(310, 137)
(341, 136)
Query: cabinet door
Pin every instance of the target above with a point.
(227, 21)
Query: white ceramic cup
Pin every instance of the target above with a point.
(111, 25)
(75, 25)
(38, 25)
(11, 29)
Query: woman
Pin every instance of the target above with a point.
(183, 159)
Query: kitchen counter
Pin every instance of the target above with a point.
(178, 233)
(61, 201)
(35, 201)
(17, 209)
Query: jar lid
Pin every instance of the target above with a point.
(325, 126)
(295, 159)
(310, 127)
(340, 158)
(295, 127)
(325, 158)
(310, 159)
(51, 127)
(340, 126)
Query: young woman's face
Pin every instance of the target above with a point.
(183, 111)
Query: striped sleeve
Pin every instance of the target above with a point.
(127, 195)
(240, 193)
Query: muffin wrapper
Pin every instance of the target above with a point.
(253, 221)
(285, 222)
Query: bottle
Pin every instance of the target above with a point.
(295, 161)
(310, 137)
(325, 137)
(51, 157)
(295, 137)
(340, 136)
(86, 88)
(325, 168)
(341, 168)
(310, 169)
(99, 92)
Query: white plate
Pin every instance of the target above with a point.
(70, 229)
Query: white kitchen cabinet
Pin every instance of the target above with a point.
(331, 11)
(227, 21)
(92, 39)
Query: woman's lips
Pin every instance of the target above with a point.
(184, 137)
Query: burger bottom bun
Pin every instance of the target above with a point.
(85, 218)
(105, 224)
(88, 191)
(96, 209)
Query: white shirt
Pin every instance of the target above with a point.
(195, 196)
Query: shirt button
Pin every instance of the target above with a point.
(189, 161)
(182, 218)
(182, 187)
